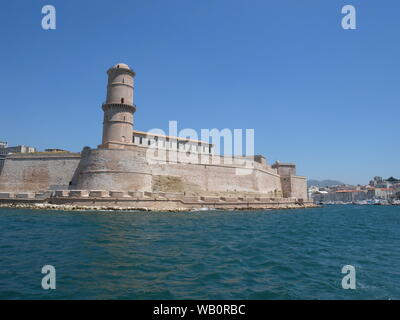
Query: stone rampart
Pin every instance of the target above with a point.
(137, 170)
(138, 173)
(38, 172)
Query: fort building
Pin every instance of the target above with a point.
(136, 169)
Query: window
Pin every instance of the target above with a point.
(122, 100)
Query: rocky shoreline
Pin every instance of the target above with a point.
(67, 207)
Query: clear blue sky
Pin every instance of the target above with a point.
(318, 95)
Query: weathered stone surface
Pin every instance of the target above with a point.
(171, 195)
(62, 193)
(98, 193)
(210, 199)
(6, 195)
(136, 194)
(79, 193)
(38, 172)
(190, 199)
(27, 195)
(117, 193)
(229, 199)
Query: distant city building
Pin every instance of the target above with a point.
(381, 193)
(378, 189)
(17, 149)
(379, 182)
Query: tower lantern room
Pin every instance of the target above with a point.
(119, 107)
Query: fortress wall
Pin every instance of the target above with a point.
(214, 173)
(38, 172)
(299, 187)
(286, 182)
(205, 178)
(294, 187)
(137, 169)
(113, 169)
(268, 183)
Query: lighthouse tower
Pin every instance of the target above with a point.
(119, 107)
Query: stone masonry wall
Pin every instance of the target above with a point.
(299, 187)
(137, 170)
(113, 169)
(38, 172)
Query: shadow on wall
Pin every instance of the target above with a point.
(72, 184)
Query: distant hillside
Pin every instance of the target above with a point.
(324, 183)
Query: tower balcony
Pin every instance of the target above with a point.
(121, 106)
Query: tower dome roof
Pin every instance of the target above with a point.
(122, 66)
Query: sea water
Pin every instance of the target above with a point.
(277, 254)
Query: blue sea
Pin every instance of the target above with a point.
(278, 254)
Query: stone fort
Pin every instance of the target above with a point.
(140, 169)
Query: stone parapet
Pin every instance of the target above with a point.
(99, 193)
(156, 201)
(61, 193)
(136, 194)
(27, 195)
(118, 194)
(210, 199)
(7, 195)
(229, 199)
(79, 193)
